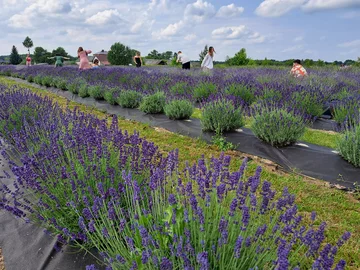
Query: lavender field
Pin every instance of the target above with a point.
(134, 206)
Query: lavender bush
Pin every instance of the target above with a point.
(221, 115)
(179, 109)
(207, 218)
(78, 154)
(129, 99)
(349, 145)
(154, 103)
(278, 127)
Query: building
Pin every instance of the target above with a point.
(102, 56)
(156, 62)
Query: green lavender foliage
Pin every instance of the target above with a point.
(179, 109)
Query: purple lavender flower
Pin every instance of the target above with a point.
(166, 264)
(172, 199)
(202, 259)
(238, 245)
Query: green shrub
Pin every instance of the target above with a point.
(46, 81)
(242, 91)
(220, 116)
(30, 78)
(308, 103)
(220, 141)
(129, 99)
(96, 92)
(204, 90)
(179, 88)
(347, 110)
(111, 95)
(83, 90)
(38, 79)
(271, 94)
(179, 109)
(349, 145)
(74, 86)
(154, 103)
(277, 127)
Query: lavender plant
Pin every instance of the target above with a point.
(242, 91)
(154, 103)
(276, 126)
(208, 218)
(179, 109)
(96, 92)
(129, 99)
(204, 90)
(221, 115)
(111, 95)
(78, 154)
(83, 90)
(349, 145)
(346, 112)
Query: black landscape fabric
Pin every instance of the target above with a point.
(315, 161)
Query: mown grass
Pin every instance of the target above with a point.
(340, 210)
(313, 136)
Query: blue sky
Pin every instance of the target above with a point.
(278, 29)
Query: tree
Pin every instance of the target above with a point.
(265, 62)
(154, 54)
(28, 43)
(240, 58)
(41, 56)
(320, 63)
(167, 55)
(120, 54)
(60, 51)
(203, 53)
(15, 58)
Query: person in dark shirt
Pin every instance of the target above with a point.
(138, 60)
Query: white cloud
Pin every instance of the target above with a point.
(240, 32)
(20, 21)
(199, 11)
(276, 8)
(229, 11)
(105, 17)
(293, 49)
(170, 30)
(299, 38)
(190, 37)
(314, 5)
(350, 44)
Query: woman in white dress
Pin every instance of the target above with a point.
(207, 63)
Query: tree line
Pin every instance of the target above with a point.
(121, 54)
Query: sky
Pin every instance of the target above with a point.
(276, 29)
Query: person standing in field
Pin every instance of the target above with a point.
(83, 56)
(138, 60)
(59, 60)
(184, 60)
(298, 71)
(207, 63)
(28, 60)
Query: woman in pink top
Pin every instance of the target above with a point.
(84, 61)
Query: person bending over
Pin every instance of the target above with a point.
(298, 71)
(184, 60)
(95, 65)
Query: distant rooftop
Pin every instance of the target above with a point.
(102, 52)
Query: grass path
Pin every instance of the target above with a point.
(340, 210)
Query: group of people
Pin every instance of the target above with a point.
(207, 64)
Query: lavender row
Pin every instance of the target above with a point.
(94, 185)
(312, 96)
